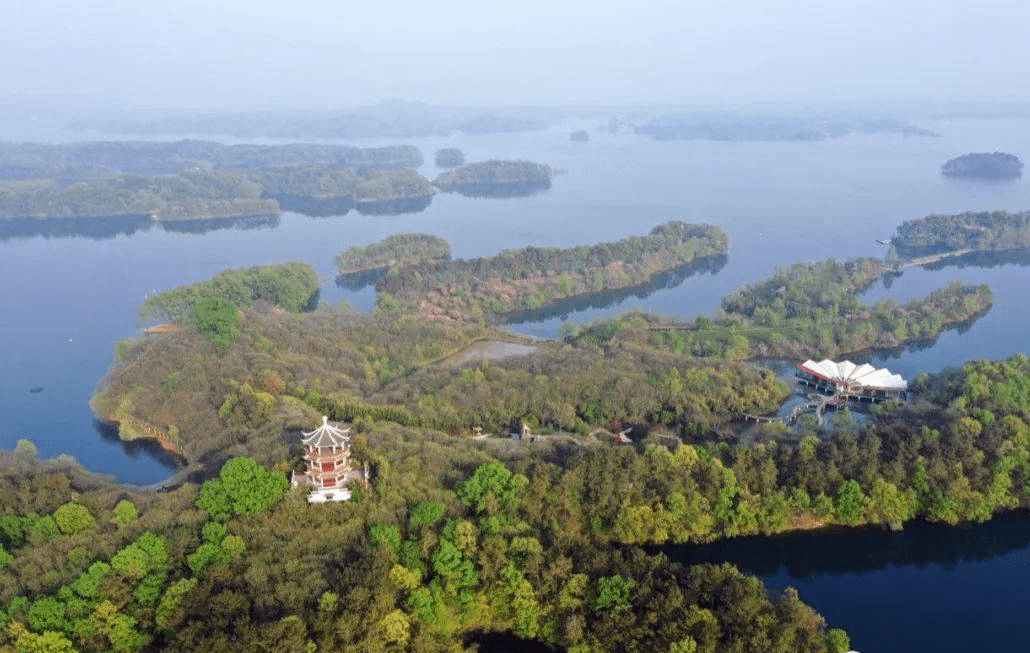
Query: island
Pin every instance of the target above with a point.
(579, 136)
(936, 236)
(495, 178)
(401, 249)
(196, 180)
(449, 157)
(493, 288)
(993, 165)
(724, 126)
(99, 159)
(388, 119)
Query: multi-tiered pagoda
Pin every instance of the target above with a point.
(327, 456)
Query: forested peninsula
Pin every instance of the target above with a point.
(455, 534)
(191, 180)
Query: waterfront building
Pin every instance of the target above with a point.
(848, 381)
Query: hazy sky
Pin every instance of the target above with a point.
(322, 54)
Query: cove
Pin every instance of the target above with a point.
(929, 587)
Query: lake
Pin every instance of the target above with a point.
(69, 298)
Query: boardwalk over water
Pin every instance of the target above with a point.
(815, 401)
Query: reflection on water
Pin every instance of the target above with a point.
(395, 207)
(316, 207)
(501, 191)
(206, 225)
(927, 588)
(98, 228)
(136, 449)
(358, 280)
(102, 228)
(563, 308)
(987, 260)
(841, 550)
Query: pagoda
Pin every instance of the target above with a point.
(327, 458)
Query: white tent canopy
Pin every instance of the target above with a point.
(864, 375)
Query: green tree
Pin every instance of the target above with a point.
(611, 593)
(492, 489)
(243, 487)
(47, 613)
(168, 610)
(890, 505)
(125, 512)
(215, 319)
(837, 641)
(5, 557)
(850, 502)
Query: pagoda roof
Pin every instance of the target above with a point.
(847, 372)
(327, 435)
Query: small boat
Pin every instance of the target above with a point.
(36, 390)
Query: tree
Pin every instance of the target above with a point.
(492, 489)
(168, 610)
(611, 593)
(48, 642)
(125, 512)
(850, 502)
(215, 319)
(890, 505)
(396, 628)
(243, 487)
(47, 613)
(74, 518)
(5, 557)
(837, 641)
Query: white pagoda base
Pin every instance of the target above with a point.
(329, 494)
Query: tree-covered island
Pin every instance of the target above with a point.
(401, 249)
(985, 231)
(756, 127)
(192, 180)
(532, 277)
(449, 157)
(992, 165)
(496, 178)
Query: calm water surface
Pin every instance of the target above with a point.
(67, 300)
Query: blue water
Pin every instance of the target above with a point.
(68, 300)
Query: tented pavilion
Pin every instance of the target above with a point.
(327, 457)
(852, 382)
